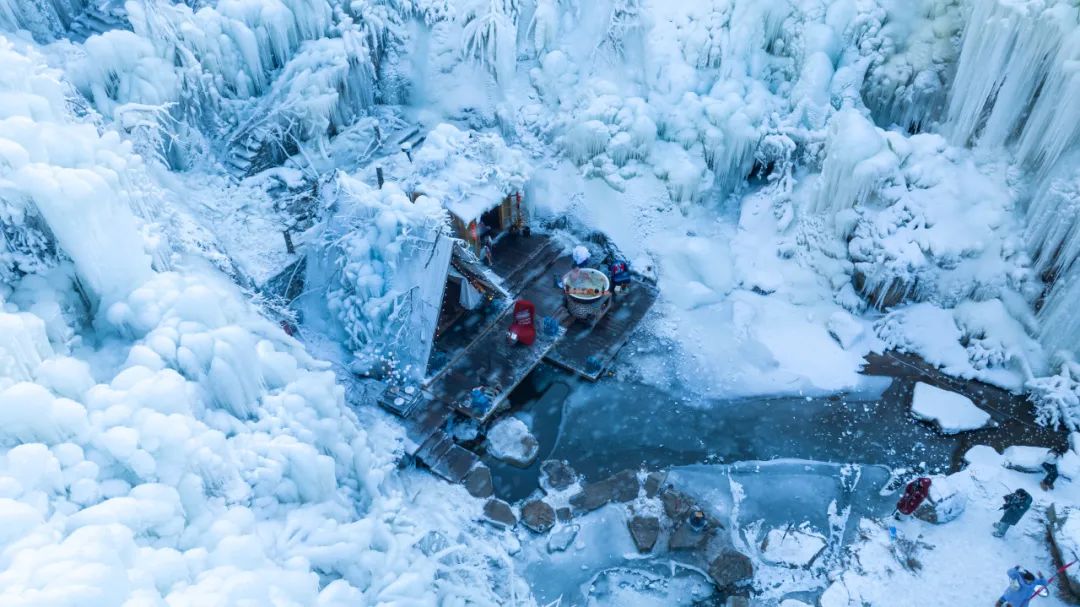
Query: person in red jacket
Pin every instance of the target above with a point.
(523, 329)
(915, 494)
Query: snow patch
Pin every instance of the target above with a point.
(951, 412)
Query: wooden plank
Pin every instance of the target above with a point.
(492, 362)
(602, 342)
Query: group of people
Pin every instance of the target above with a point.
(1024, 585)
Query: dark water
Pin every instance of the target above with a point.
(610, 426)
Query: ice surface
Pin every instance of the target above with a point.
(951, 412)
(792, 547)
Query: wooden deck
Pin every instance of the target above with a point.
(475, 352)
(492, 362)
(589, 351)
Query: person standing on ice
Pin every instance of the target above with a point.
(1016, 504)
(915, 494)
(1023, 586)
(1050, 464)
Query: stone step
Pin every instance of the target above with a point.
(447, 459)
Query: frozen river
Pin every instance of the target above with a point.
(610, 426)
(756, 464)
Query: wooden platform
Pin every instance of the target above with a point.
(581, 342)
(589, 351)
(447, 459)
(475, 353)
(492, 362)
(519, 259)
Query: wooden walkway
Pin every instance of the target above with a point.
(476, 353)
(589, 351)
(492, 362)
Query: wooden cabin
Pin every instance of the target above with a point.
(483, 214)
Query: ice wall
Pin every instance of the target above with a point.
(1015, 69)
(382, 260)
(76, 178)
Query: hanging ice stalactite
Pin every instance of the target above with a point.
(1058, 321)
(857, 159)
(1053, 219)
(1010, 49)
(1053, 126)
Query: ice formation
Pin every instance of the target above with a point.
(784, 164)
(160, 439)
(1028, 48)
(382, 263)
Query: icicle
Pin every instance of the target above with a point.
(857, 159)
(1053, 219)
(23, 346)
(1054, 123)
(1007, 52)
(1059, 322)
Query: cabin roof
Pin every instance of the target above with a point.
(475, 203)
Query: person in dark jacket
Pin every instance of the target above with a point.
(1023, 586)
(1016, 504)
(1050, 465)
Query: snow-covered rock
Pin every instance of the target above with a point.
(1025, 458)
(983, 456)
(510, 440)
(950, 412)
(945, 502)
(797, 548)
(844, 328)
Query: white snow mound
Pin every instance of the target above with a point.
(951, 412)
(510, 441)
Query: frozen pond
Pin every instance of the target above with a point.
(758, 465)
(602, 567)
(610, 426)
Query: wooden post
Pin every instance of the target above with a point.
(289, 248)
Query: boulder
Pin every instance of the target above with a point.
(686, 537)
(644, 530)
(844, 328)
(499, 513)
(561, 538)
(478, 482)
(538, 516)
(653, 482)
(556, 475)
(731, 569)
(945, 503)
(951, 412)
(676, 504)
(564, 514)
(509, 440)
(1025, 458)
(622, 487)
